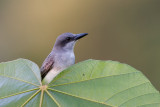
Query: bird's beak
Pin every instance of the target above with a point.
(78, 36)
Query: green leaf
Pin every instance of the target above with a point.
(90, 83)
(19, 81)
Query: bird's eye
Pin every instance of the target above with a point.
(68, 38)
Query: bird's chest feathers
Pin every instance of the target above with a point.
(68, 58)
(65, 59)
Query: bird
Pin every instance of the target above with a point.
(61, 57)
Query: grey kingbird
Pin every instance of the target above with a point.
(61, 57)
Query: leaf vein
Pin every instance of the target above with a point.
(33, 72)
(18, 93)
(126, 90)
(80, 97)
(30, 98)
(91, 79)
(93, 67)
(149, 104)
(53, 99)
(136, 97)
(41, 98)
(19, 80)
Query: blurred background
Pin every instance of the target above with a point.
(127, 31)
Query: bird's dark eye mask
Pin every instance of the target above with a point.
(68, 38)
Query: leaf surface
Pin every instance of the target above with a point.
(91, 83)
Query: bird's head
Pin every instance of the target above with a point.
(67, 41)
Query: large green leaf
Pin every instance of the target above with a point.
(91, 83)
(19, 82)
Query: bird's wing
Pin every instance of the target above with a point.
(47, 66)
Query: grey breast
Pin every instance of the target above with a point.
(64, 60)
